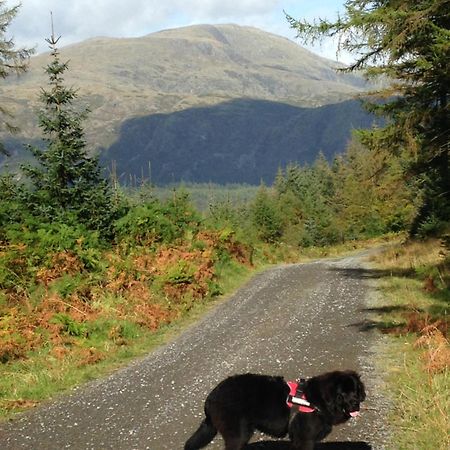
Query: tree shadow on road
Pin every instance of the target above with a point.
(375, 274)
(285, 445)
(390, 319)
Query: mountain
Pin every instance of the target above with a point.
(240, 141)
(248, 90)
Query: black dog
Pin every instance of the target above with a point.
(241, 404)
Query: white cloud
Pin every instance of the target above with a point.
(77, 20)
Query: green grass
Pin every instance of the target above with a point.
(43, 375)
(416, 359)
(421, 400)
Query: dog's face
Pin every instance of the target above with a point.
(342, 394)
(349, 394)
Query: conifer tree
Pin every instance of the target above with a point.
(12, 60)
(66, 182)
(407, 41)
(266, 216)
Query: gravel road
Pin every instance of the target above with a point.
(291, 320)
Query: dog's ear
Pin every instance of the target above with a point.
(332, 397)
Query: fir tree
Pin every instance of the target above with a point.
(409, 42)
(266, 216)
(66, 182)
(12, 60)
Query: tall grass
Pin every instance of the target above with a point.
(421, 399)
(414, 312)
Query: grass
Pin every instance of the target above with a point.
(57, 367)
(413, 311)
(43, 375)
(421, 398)
(87, 341)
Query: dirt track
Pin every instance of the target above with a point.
(293, 320)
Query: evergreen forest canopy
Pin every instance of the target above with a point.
(408, 42)
(391, 178)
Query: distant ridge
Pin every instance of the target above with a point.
(177, 73)
(241, 141)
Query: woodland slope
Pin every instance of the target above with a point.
(240, 141)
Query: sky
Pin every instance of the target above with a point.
(77, 20)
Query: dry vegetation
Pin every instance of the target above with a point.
(69, 319)
(416, 291)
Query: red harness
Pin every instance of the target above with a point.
(296, 397)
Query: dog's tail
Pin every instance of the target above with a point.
(202, 437)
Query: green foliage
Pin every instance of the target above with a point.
(115, 329)
(430, 226)
(266, 216)
(371, 195)
(361, 195)
(145, 225)
(233, 219)
(66, 179)
(33, 244)
(181, 213)
(305, 199)
(44, 238)
(157, 222)
(407, 42)
(12, 60)
(67, 285)
(182, 272)
(69, 325)
(12, 210)
(223, 212)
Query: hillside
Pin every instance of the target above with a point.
(241, 141)
(187, 71)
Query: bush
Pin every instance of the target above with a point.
(12, 210)
(155, 222)
(145, 224)
(267, 217)
(430, 226)
(69, 325)
(33, 246)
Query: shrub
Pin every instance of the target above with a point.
(45, 251)
(69, 325)
(145, 224)
(266, 217)
(155, 222)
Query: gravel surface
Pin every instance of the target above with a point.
(292, 320)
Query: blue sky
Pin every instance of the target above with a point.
(77, 20)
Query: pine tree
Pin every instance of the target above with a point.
(66, 182)
(409, 42)
(12, 60)
(266, 216)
